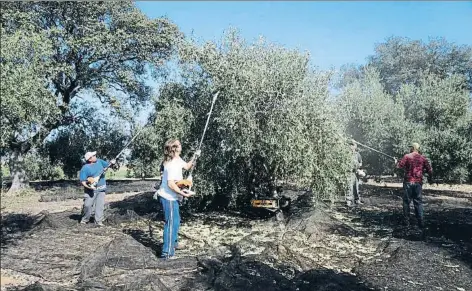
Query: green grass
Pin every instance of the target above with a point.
(5, 171)
(119, 174)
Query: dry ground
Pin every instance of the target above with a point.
(326, 248)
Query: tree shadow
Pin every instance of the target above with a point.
(448, 224)
(14, 226)
(249, 273)
(146, 239)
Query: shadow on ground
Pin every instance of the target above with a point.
(146, 240)
(440, 257)
(448, 221)
(14, 225)
(250, 273)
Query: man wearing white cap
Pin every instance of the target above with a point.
(94, 194)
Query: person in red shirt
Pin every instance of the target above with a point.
(414, 165)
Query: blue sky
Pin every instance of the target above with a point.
(335, 33)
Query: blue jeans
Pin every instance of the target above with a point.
(412, 191)
(171, 226)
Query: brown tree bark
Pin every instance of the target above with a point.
(17, 172)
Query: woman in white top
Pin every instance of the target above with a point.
(170, 193)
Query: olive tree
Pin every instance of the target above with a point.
(402, 61)
(54, 53)
(441, 109)
(374, 118)
(25, 104)
(271, 122)
(434, 112)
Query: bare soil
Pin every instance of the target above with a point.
(315, 248)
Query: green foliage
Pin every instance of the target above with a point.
(440, 108)
(373, 118)
(26, 102)
(171, 120)
(52, 53)
(402, 61)
(436, 113)
(271, 121)
(38, 167)
(70, 144)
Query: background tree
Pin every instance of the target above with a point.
(93, 50)
(435, 112)
(403, 61)
(374, 118)
(25, 105)
(94, 133)
(440, 108)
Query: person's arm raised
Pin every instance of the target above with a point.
(191, 163)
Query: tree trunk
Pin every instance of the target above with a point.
(17, 172)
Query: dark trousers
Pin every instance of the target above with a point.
(412, 191)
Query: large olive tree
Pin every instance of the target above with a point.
(54, 53)
(271, 121)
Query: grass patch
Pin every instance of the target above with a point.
(119, 174)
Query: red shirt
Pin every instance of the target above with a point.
(415, 165)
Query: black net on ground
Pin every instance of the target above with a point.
(413, 265)
(124, 264)
(260, 273)
(312, 249)
(140, 206)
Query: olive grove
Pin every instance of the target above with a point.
(394, 101)
(75, 76)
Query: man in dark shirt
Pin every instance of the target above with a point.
(414, 165)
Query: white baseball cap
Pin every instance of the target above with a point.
(88, 155)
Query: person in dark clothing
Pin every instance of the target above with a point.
(414, 165)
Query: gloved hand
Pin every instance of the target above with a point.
(113, 162)
(198, 153)
(396, 161)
